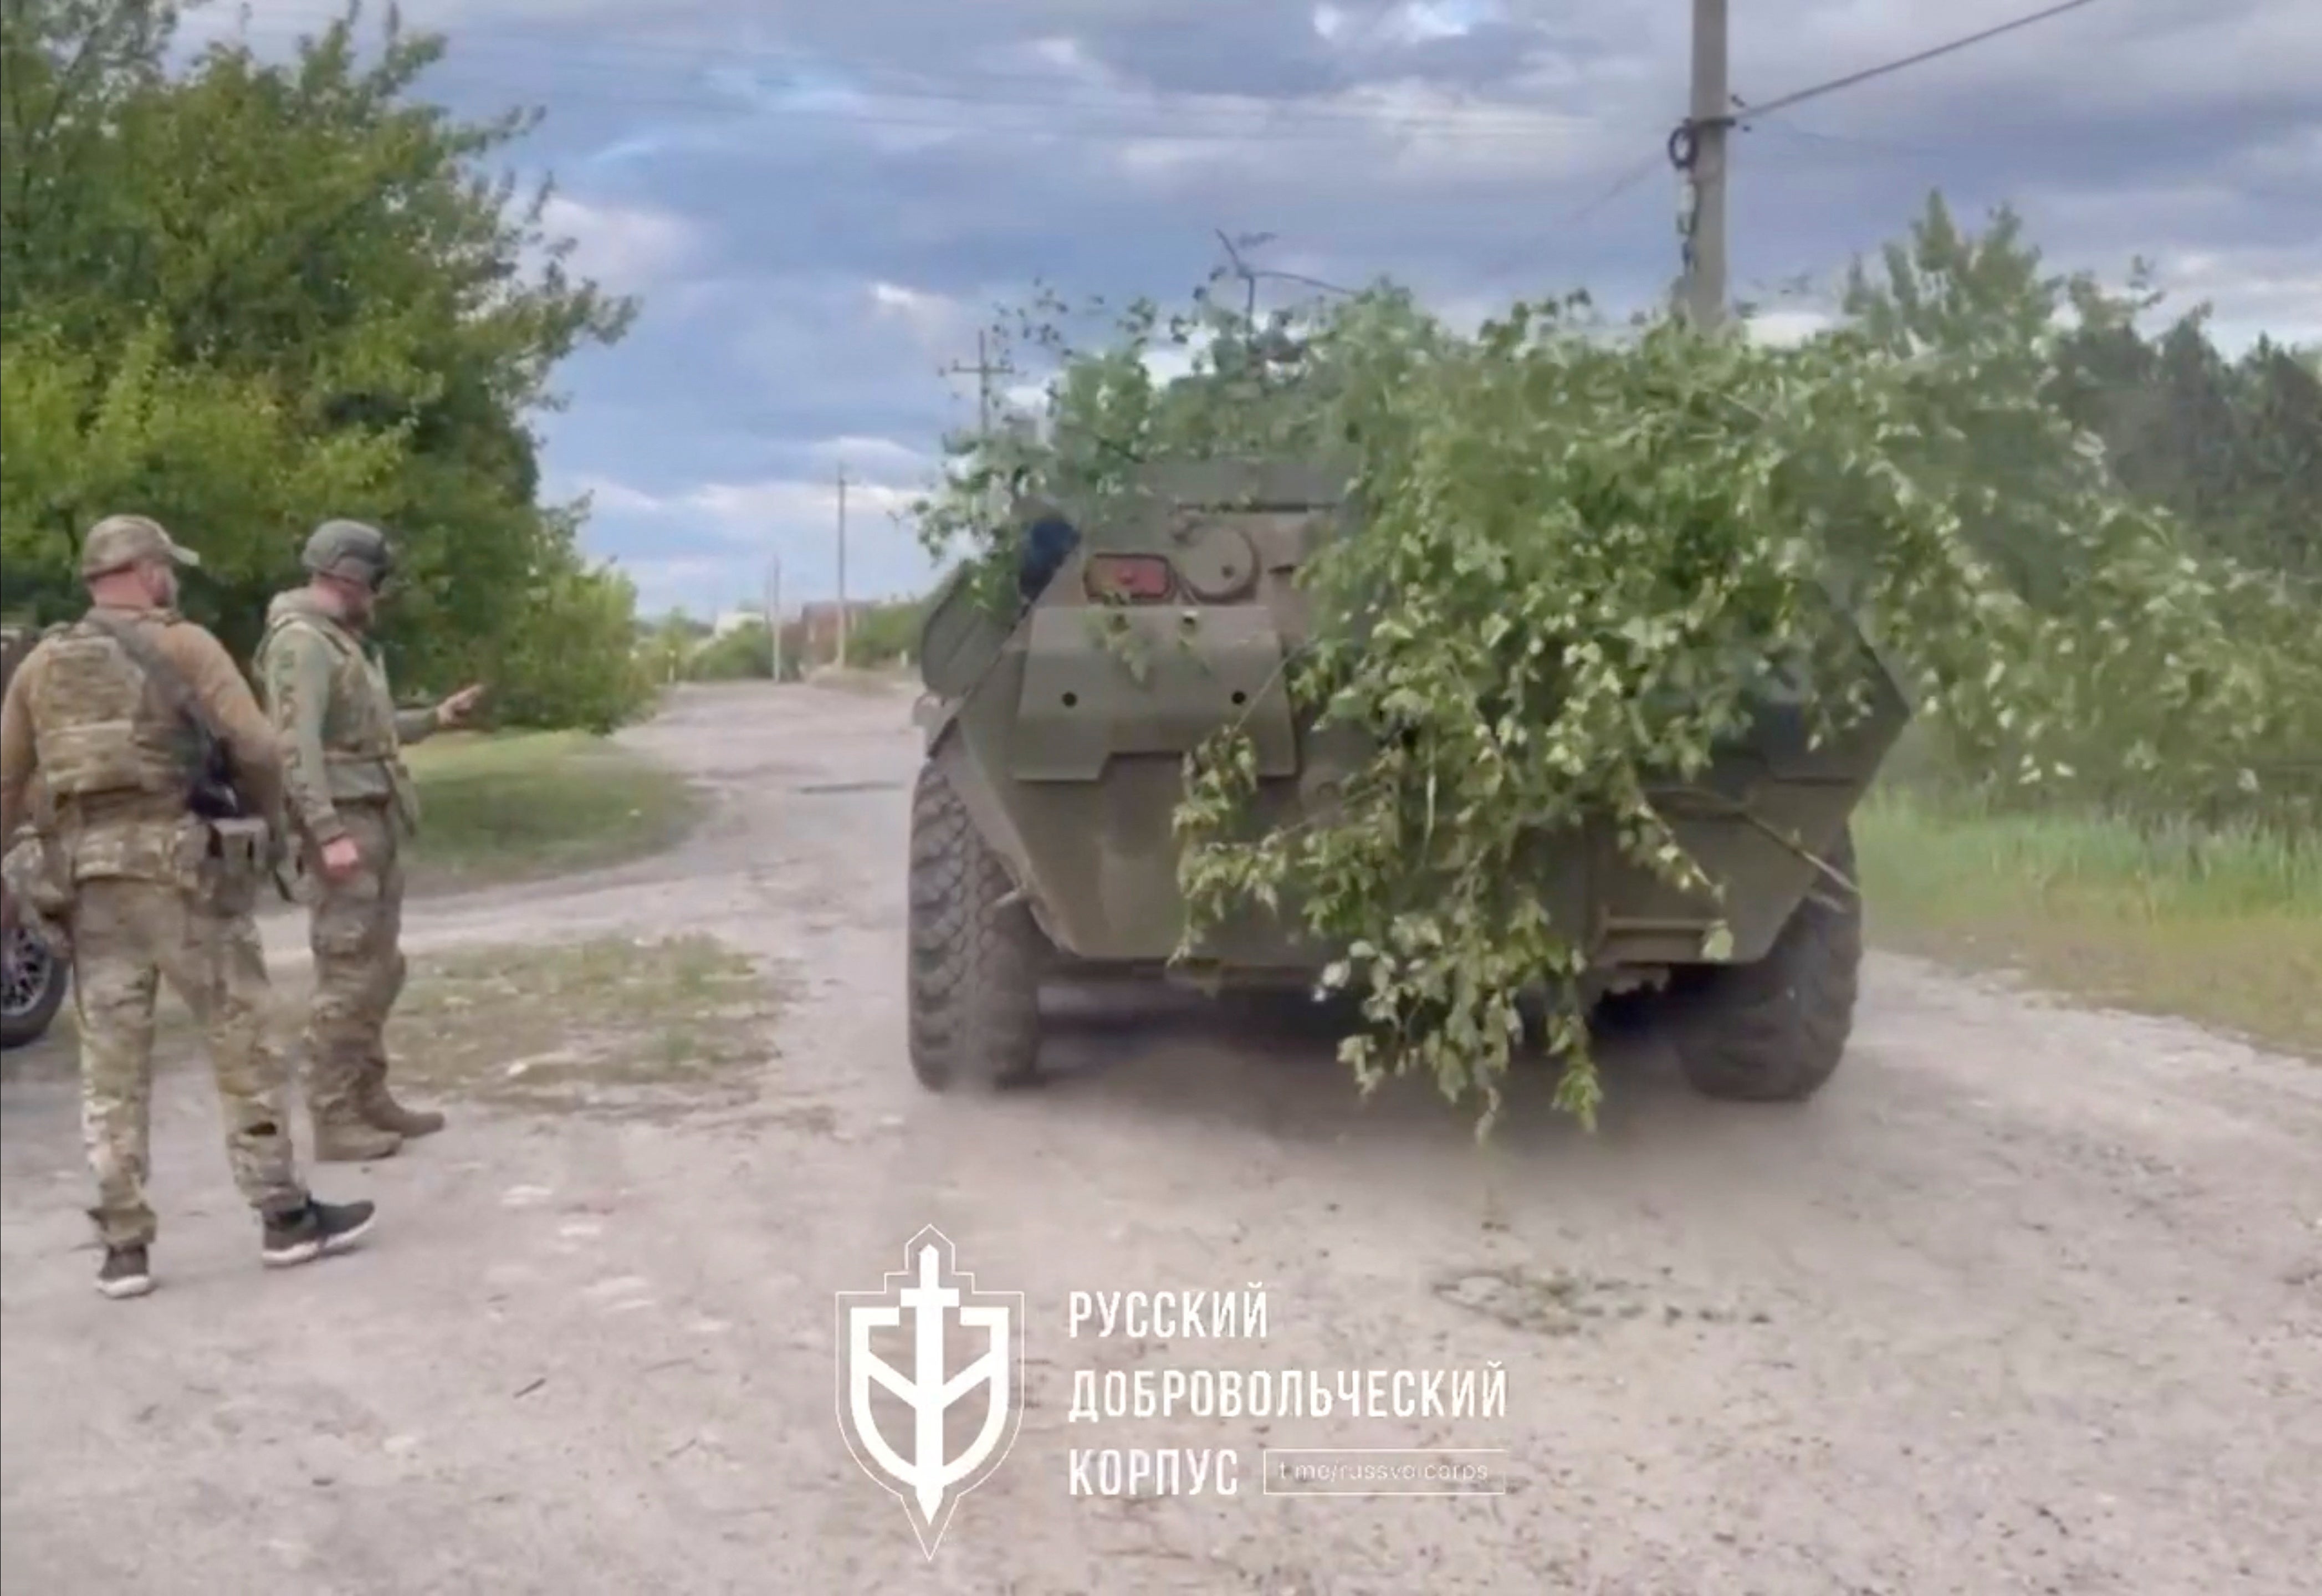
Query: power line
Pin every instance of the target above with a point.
(1170, 113)
(1076, 119)
(1791, 130)
(1628, 178)
(1851, 78)
(1675, 151)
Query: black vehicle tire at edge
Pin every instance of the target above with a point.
(975, 954)
(1776, 1031)
(18, 1030)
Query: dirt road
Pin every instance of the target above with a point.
(2029, 1301)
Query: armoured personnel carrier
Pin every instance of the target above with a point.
(1041, 840)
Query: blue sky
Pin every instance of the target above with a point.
(820, 201)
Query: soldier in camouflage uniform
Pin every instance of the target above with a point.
(352, 807)
(149, 891)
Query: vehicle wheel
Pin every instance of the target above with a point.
(975, 954)
(32, 982)
(1776, 1030)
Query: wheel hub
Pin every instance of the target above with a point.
(28, 965)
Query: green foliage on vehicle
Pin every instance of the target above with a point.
(1588, 555)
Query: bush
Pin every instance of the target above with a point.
(885, 635)
(570, 659)
(1585, 553)
(746, 653)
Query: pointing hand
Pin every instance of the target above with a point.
(454, 709)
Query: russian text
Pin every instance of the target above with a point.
(1292, 1393)
(1169, 1316)
(1168, 1470)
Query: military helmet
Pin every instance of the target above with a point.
(352, 550)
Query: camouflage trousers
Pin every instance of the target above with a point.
(356, 932)
(128, 937)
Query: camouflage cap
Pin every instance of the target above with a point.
(120, 542)
(352, 551)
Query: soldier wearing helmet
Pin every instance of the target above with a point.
(153, 881)
(352, 809)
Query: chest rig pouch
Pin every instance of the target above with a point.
(231, 860)
(221, 855)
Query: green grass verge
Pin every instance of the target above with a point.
(611, 1027)
(2223, 929)
(499, 808)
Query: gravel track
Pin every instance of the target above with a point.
(2029, 1299)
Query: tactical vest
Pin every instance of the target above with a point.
(360, 738)
(100, 728)
(365, 734)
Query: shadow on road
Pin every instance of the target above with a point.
(1269, 1062)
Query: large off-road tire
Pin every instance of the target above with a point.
(1776, 1031)
(976, 956)
(32, 984)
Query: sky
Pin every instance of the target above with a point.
(819, 202)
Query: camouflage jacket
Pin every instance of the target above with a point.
(342, 735)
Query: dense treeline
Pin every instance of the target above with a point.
(2227, 453)
(2231, 446)
(680, 648)
(244, 297)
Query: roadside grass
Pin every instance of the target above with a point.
(501, 807)
(610, 1027)
(2222, 928)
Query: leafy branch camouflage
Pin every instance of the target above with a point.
(1587, 550)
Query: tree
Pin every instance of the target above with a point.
(1586, 556)
(248, 297)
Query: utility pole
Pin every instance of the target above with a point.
(1705, 141)
(986, 400)
(842, 567)
(775, 613)
(984, 372)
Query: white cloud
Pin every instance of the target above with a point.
(625, 247)
(754, 527)
(1422, 20)
(880, 462)
(934, 319)
(703, 586)
(747, 512)
(1408, 23)
(2274, 291)
(1368, 144)
(1788, 326)
(605, 494)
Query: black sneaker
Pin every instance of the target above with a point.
(126, 1273)
(315, 1230)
